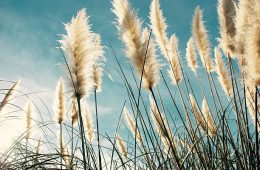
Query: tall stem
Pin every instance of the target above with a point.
(256, 131)
(81, 132)
(61, 147)
(99, 151)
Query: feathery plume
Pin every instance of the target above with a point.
(9, 95)
(241, 24)
(226, 15)
(79, 47)
(191, 55)
(160, 123)
(197, 114)
(131, 124)
(97, 70)
(159, 27)
(175, 69)
(59, 102)
(74, 112)
(252, 54)
(200, 36)
(89, 131)
(97, 74)
(130, 30)
(208, 118)
(223, 77)
(121, 145)
(28, 109)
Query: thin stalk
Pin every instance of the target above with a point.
(256, 131)
(99, 153)
(81, 132)
(61, 147)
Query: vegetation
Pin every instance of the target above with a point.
(214, 133)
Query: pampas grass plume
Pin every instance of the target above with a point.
(211, 127)
(200, 36)
(191, 55)
(59, 105)
(226, 15)
(9, 95)
(131, 124)
(159, 27)
(223, 77)
(121, 145)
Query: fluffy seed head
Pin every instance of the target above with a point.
(226, 16)
(159, 27)
(121, 145)
(200, 36)
(79, 47)
(131, 124)
(74, 112)
(212, 130)
(9, 95)
(175, 69)
(191, 55)
(223, 77)
(197, 114)
(89, 131)
(136, 42)
(28, 109)
(59, 105)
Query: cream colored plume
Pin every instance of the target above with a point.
(200, 36)
(9, 95)
(227, 30)
(197, 114)
(59, 105)
(136, 42)
(97, 70)
(131, 124)
(223, 77)
(88, 125)
(212, 130)
(175, 69)
(81, 52)
(160, 122)
(74, 112)
(241, 23)
(121, 145)
(159, 26)
(191, 55)
(28, 110)
(252, 54)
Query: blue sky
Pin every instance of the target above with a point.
(29, 30)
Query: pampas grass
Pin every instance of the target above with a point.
(223, 77)
(159, 27)
(175, 69)
(211, 127)
(9, 95)
(59, 105)
(89, 131)
(200, 36)
(191, 55)
(226, 14)
(131, 124)
(121, 145)
(78, 45)
(139, 46)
